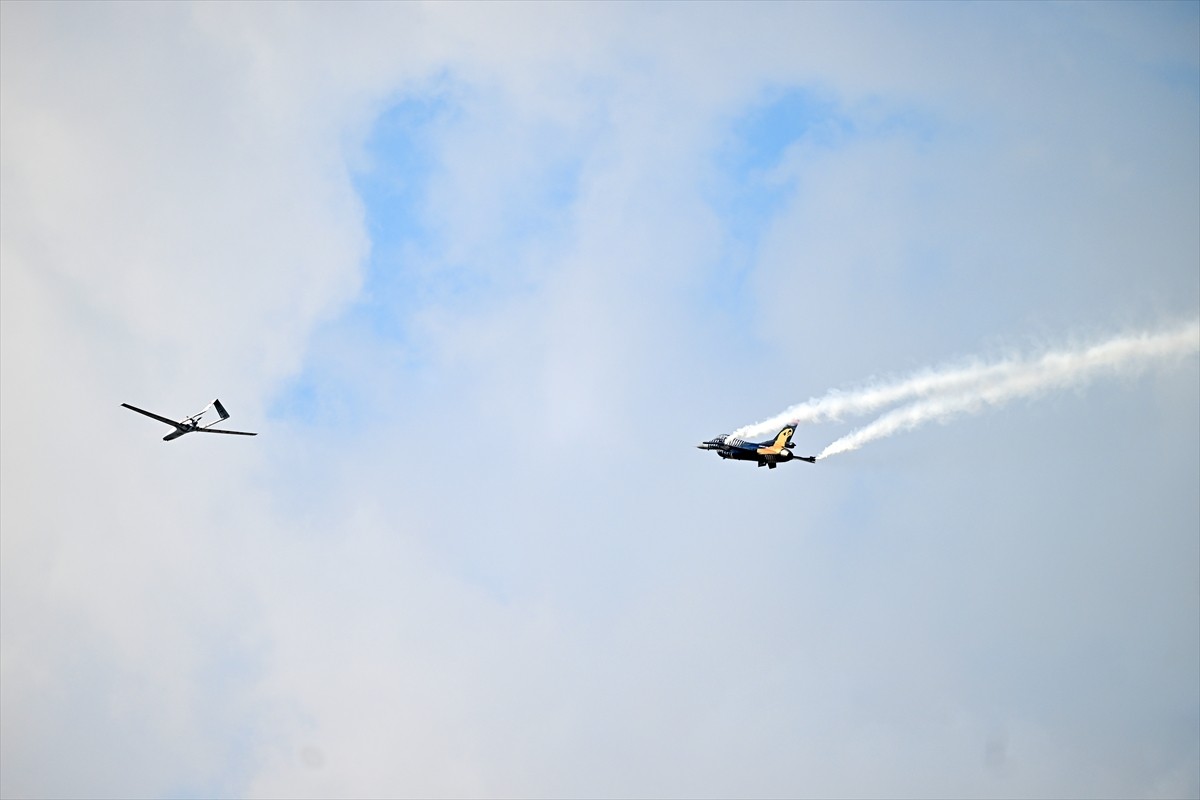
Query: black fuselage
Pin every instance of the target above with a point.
(763, 459)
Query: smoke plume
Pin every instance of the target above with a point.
(945, 393)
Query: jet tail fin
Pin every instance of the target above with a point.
(781, 442)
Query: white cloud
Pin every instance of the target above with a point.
(506, 571)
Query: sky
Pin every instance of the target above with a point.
(481, 276)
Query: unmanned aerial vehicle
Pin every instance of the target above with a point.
(192, 424)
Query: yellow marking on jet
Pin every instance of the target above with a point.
(777, 447)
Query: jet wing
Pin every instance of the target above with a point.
(170, 422)
(218, 430)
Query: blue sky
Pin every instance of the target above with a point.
(481, 276)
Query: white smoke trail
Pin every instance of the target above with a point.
(1053, 371)
(949, 392)
(837, 405)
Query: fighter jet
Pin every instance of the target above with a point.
(776, 451)
(192, 424)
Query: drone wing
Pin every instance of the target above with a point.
(170, 422)
(218, 430)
